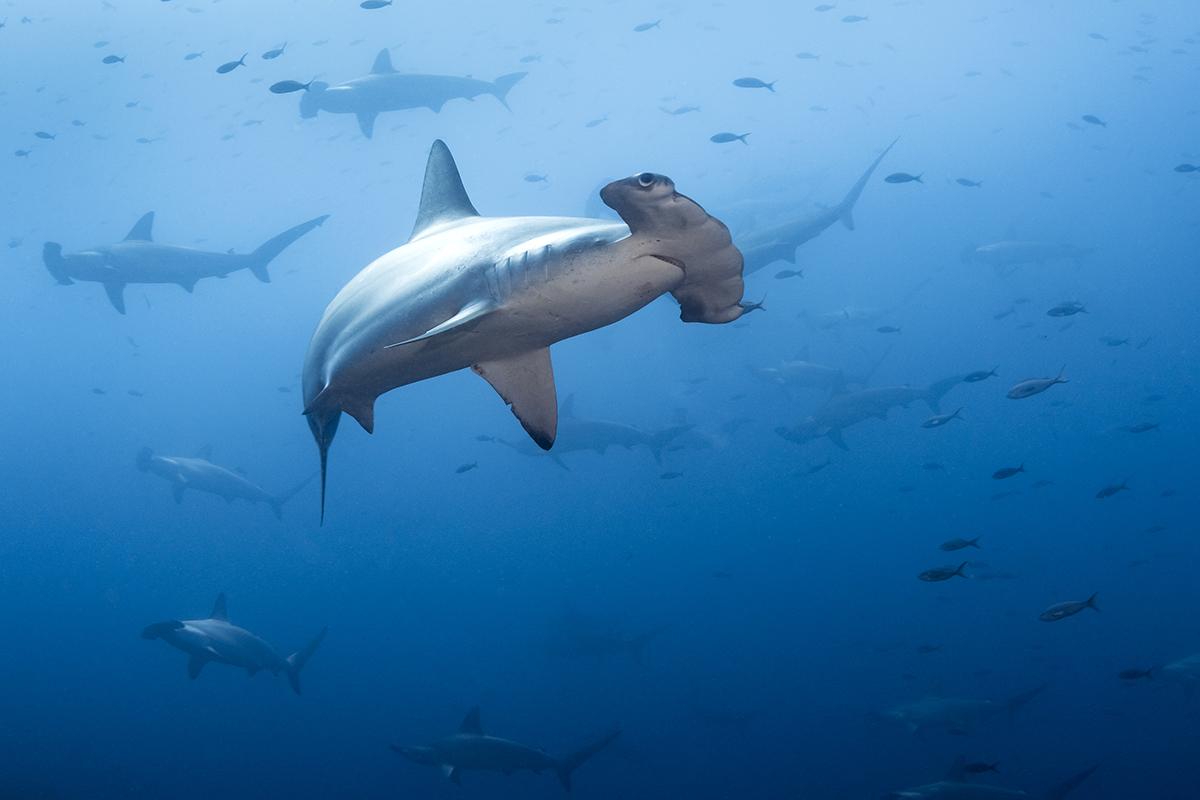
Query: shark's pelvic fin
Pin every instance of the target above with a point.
(383, 63)
(443, 197)
(142, 230)
(219, 611)
(526, 382)
(471, 724)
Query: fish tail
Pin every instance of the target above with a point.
(846, 207)
(1091, 602)
(570, 763)
(297, 660)
(504, 84)
(52, 257)
(271, 248)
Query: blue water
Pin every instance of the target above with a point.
(781, 603)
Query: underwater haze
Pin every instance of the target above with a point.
(832, 431)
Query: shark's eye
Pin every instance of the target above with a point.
(646, 180)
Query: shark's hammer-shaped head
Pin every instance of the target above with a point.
(674, 228)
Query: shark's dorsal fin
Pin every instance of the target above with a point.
(219, 611)
(470, 723)
(443, 198)
(142, 230)
(205, 452)
(383, 63)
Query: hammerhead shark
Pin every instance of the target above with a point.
(139, 259)
(385, 89)
(200, 474)
(493, 293)
(217, 640)
(471, 748)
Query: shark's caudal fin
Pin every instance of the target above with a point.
(938, 389)
(271, 248)
(660, 439)
(846, 207)
(1019, 701)
(570, 763)
(502, 85)
(310, 99)
(323, 424)
(1061, 790)
(278, 500)
(55, 263)
(297, 660)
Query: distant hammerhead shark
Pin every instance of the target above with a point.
(217, 640)
(493, 293)
(139, 259)
(471, 748)
(385, 89)
(200, 474)
(779, 243)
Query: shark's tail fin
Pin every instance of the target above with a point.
(660, 439)
(1019, 701)
(938, 389)
(278, 500)
(570, 763)
(504, 84)
(55, 263)
(1061, 790)
(297, 660)
(310, 101)
(143, 458)
(846, 207)
(271, 248)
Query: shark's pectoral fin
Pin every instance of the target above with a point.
(835, 436)
(453, 773)
(526, 383)
(116, 295)
(468, 313)
(177, 489)
(366, 122)
(195, 664)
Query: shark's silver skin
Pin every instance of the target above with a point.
(494, 293)
(1185, 670)
(139, 259)
(799, 374)
(471, 748)
(779, 243)
(849, 408)
(201, 475)
(958, 715)
(219, 641)
(385, 89)
(1011, 253)
(959, 790)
